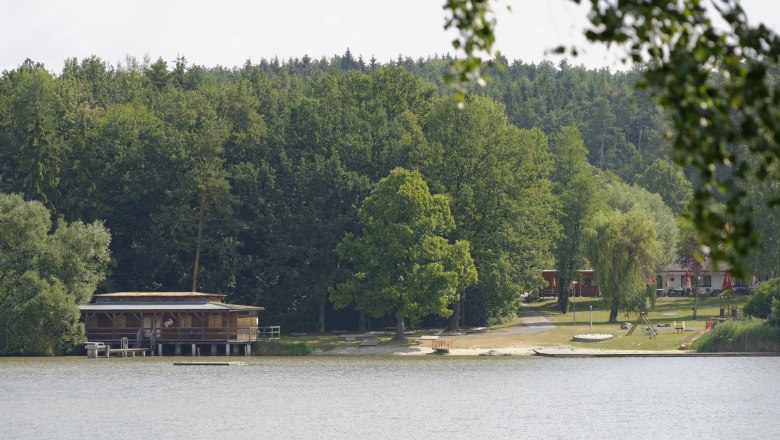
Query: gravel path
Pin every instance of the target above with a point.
(532, 322)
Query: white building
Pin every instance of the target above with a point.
(672, 280)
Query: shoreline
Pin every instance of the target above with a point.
(507, 351)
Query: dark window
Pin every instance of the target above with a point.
(706, 281)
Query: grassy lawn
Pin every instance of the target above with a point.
(667, 310)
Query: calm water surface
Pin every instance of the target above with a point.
(391, 398)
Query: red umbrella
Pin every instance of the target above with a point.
(727, 282)
(687, 279)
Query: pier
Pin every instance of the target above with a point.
(94, 349)
(559, 353)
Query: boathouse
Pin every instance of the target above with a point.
(172, 322)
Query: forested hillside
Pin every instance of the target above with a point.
(243, 181)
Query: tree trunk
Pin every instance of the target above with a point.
(321, 321)
(462, 309)
(563, 300)
(454, 324)
(400, 332)
(197, 246)
(613, 313)
(361, 321)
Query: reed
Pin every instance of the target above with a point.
(748, 335)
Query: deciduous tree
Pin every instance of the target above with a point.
(403, 263)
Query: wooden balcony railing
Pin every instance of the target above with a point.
(176, 334)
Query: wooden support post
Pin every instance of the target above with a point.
(159, 349)
(178, 350)
(194, 350)
(227, 349)
(213, 349)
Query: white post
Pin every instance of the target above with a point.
(227, 349)
(193, 349)
(574, 298)
(591, 319)
(159, 349)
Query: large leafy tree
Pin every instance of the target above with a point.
(496, 177)
(44, 276)
(402, 261)
(579, 198)
(624, 250)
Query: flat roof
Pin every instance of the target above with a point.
(213, 307)
(152, 294)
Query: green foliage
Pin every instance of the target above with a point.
(36, 148)
(44, 277)
(474, 21)
(774, 315)
(759, 304)
(579, 198)
(282, 153)
(403, 265)
(624, 250)
(715, 84)
(750, 335)
(495, 177)
(276, 348)
(667, 180)
(625, 198)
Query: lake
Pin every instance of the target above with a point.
(414, 397)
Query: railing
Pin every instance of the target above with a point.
(269, 332)
(230, 334)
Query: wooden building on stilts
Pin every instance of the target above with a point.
(175, 323)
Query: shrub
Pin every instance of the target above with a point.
(760, 303)
(774, 315)
(532, 297)
(277, 348)
(749, 335)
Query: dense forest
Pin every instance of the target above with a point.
(243, 181)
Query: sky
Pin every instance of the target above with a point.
(229, 32)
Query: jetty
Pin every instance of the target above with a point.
(563, 353)
(94, 349)
(208, 363)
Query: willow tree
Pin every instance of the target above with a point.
(624, 249)
(402, 263)
(44, 275)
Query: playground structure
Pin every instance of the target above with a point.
(643, 320)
